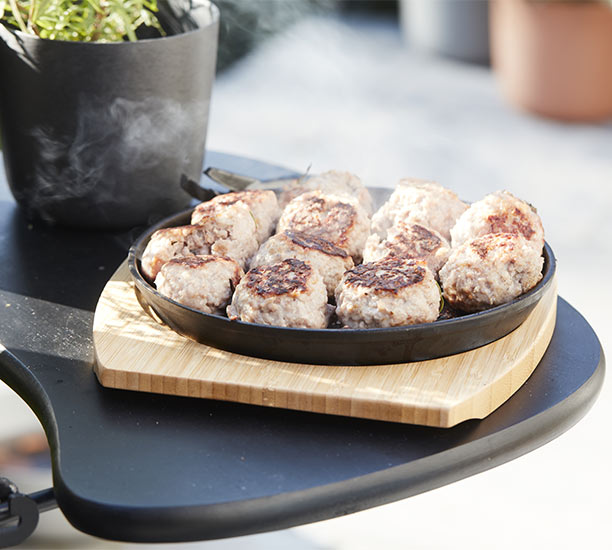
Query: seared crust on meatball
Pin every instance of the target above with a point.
(389, 293)
(333, 182)
(205, 283)
(168, 243)
(330, 260)
(422, 202)
(262, 204)
(499, 212)
(338, 220)
(410, 241)
(489, 271)
(290, 293)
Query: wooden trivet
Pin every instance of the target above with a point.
(134, 352)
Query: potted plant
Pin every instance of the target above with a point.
(104, 106)
(554, 57)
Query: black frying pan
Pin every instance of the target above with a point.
(335, 346)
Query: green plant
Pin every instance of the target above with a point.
(84, 20)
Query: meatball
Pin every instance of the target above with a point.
(411, 241)
(231, 232)
(423, 202)
(165, 244)
(389, 293)
(334, 182)
(490, 270)
(262, 204)
(338, 220)
(330, 260)
(499, 212)
(205, 283)
(290, 293)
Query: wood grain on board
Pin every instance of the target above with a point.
(134, 352)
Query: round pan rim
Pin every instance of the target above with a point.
(531, 296)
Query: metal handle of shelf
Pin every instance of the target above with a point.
(19, 513)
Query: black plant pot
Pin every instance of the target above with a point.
(100, 135)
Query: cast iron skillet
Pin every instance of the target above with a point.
(334, 346)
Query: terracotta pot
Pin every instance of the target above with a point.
(554, 58)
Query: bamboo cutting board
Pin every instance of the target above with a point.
(134, 352)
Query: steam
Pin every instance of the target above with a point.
(246, 24)
(125, 147)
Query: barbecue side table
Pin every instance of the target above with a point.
(153, 468)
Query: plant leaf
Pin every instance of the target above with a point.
(85, 20)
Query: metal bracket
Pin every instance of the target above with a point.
(19, 513)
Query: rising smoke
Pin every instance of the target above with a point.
(244, 23)
(123, 149)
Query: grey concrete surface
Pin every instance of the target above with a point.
(341, 94)
(333, 94)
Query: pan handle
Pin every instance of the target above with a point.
(238, 182)
(232, 182)
(196, 191)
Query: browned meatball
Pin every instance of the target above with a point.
(262, 204)
(290, 293)
(338, 220)
(231, 230)
(330, 260)
(165, 244)
(410, 241)
(389, 293)
(489, 271)
(333, 182)
(499, 212)
(205, 283)
(418, 201)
